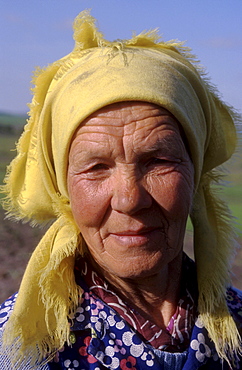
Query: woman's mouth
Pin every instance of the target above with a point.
(135, 238)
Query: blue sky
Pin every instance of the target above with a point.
(37, 32)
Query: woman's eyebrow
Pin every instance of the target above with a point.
(165, 143)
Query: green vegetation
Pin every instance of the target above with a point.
(10, 128)
(11, 124)
(12, 120)
(7, 152)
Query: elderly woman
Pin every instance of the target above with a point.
(120, 148)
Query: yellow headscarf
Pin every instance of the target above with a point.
(95, 74)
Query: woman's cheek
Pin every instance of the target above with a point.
(173, 193)
(183, 193)
(88, 202)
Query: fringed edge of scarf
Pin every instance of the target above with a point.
(12, 199)
(57, 299)
(214, 244)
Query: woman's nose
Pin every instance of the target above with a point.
(130, 196)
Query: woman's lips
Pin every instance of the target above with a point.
(131, 238)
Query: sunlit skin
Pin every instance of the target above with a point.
(130, 182)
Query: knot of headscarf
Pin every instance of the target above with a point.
(95, 74)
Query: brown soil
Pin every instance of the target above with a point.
(17, 242)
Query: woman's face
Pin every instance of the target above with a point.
(130, 182)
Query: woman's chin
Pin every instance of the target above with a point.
(136, 266)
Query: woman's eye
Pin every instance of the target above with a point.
(98, 167)
(158, 161)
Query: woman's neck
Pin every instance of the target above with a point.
(155, 296)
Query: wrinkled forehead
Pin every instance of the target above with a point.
(134, 122)
(128, 115)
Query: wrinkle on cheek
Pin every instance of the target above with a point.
(89, 214)
(177, 196)
(93, 251)
(188, 179)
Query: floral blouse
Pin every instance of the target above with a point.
(101, 338)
